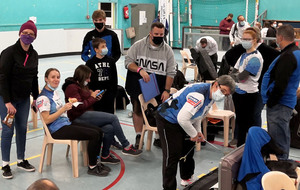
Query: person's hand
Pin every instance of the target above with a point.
(33, 106)
(198, 138)
(10, 108)
(67, 106)
(165, 95)
(228, 29)
(145, 75)
(94, 94)
(232, 44)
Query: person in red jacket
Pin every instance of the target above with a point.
(76, 87)
(225, 27)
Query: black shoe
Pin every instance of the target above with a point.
(26, 166)
(132, 151)
(115, 144)
(103, 167)
(110, 159)
(137, 141)
(97, 171)
(157, 143)
(7, 172)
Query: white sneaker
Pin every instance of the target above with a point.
(187, 182)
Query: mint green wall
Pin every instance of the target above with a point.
(281, 10)
(72, 13)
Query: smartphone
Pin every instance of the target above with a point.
(101, 92)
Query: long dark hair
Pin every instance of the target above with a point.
(81, 73)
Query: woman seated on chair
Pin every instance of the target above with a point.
(54, 114)
(76, 87)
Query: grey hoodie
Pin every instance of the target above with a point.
(159, 60)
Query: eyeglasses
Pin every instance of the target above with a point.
(30, 34)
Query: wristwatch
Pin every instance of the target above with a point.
(168, 91)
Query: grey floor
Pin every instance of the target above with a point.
(143, 172)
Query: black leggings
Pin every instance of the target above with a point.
(83, 132)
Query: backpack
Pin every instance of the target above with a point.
(234, 30)
(179, 80)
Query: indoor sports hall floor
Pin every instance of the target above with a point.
(134, 173)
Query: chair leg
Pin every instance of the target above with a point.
(34, 119)
(49, 153)
(232, 127)
(149, 140)
(195, 74)
(142, 138)
(43, 155)
(74, 149)
(183, 70)
(85, 155)
(226, 131)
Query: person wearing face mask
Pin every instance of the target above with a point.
(76, 87)
(100, 31)
(225, 27)
(246, 73)
(54, 114)
(179, 126)
(272, 33)
(18, 80)
(104, 76)
(237, 30)
(149, 55)
(279, 86)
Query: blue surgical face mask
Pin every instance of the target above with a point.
(49, 86)
(246, 44)
(104, 51)
(242, 23)
(218, 95)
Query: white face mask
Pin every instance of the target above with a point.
(49, 86)
(246, 44)
(85, 83)
(218, 95)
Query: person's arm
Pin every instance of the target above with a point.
(193, 103)
(231, 34)
(72, 91)
(43, 104)
(282, 73)
(252, 68)
(222, 26)
(85, 48)
(116, 51)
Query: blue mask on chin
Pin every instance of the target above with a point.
(51, 88)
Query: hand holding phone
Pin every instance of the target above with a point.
(101, 92)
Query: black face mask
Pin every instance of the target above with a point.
(229, 20)
(157, 40)
(99, 25)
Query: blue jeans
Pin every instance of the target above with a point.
(278, 119)
(110, 125)
(20, 123)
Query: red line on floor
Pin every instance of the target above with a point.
(122, 171)
(219, 143)
(126, 124)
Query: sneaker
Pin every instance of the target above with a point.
(97, 171)
(132, 151)
(7, 172)
(104, 167)
(115, 144)
(26, 166)
(187, 182)
(233, 142)
(110, 159)
(137, 141)
(157, 143)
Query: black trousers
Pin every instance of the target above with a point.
(174, 146)
(83, 132)
(245, 109)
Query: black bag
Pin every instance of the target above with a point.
(179, 80)
(122, 99)
(150, 114)
(286, 166)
